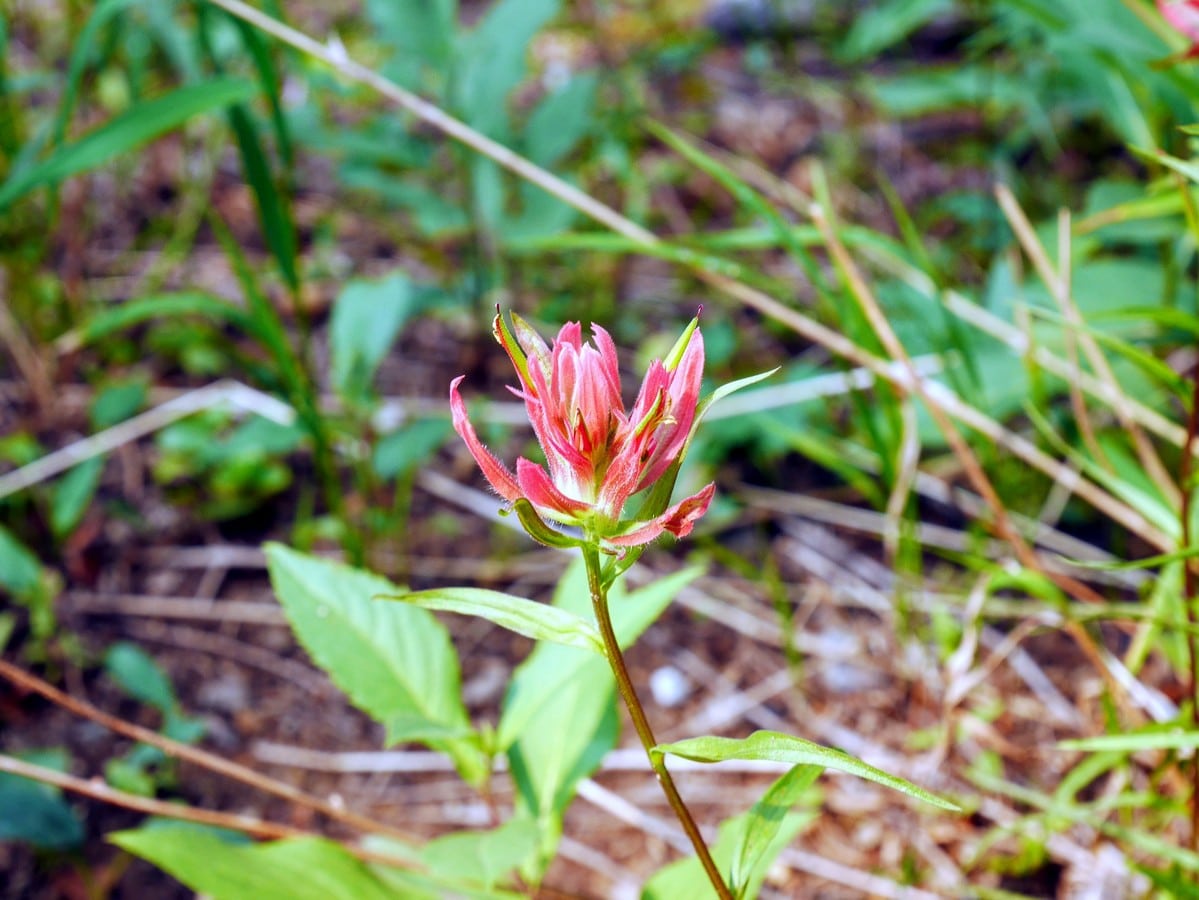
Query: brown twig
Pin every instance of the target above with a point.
(98, 789)
(210, 761)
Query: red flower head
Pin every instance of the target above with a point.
(1183, 16)
(597, 455)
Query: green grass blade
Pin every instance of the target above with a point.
(274, 210)
(128, 131)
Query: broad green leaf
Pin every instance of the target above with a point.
(561, 120)
(485, 857)
(766, 819)
(431, 885)
(535, 682)
(490, 60)
(367, 317)
(777, 747)
(37, 813)
(128, 131)
(20, 570)
(299, 869)
(422, 29)
(117, 402)
(73, 494)
(930, 88)
(534, 620)
(884, 24)
(686, 878)
(414, 443)
(559, 717)
(395, 662)
(140, 676)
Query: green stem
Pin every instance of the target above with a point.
(599, 602)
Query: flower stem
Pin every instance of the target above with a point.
(599, 602)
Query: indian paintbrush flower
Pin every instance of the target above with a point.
(1183, 16)
(598, 455)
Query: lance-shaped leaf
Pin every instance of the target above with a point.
(784, 748)
(765, 823)
(535, 620)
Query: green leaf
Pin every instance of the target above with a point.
(485, 857)
(777, 747)
(299, 869)
(490, 60)
(423, 30)
(73, 494)
(36, 813)
(885, 24)
(274, 206)
(559, 717)
(20, 570)
(561, 120)
(140, 676)
(536, 682)
(765, 821)
(394, 661)
(539, 530)
(117, 402)
(367, 317)
(414, 443)
(534, 620)
(433, 885)
(686, 878)
(113, 319)
(128, 131)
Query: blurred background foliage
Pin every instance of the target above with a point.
(186, 202)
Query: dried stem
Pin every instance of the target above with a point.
(599, 602)
(1000, 520)
(98, 789)
(1059, 287)
(194, 755)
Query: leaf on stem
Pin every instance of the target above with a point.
(777, 747)
(764, 823)
(535, 620)
(395, 662)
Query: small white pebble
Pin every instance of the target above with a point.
(669, 686)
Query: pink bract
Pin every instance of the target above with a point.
(1183, 16)
(597, 454)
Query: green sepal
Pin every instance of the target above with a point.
(541, 532)
(675, 356)
(504, 335)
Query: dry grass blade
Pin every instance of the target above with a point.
(1059, 287)
(194, 755)
(99, 790)
(231, 393)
